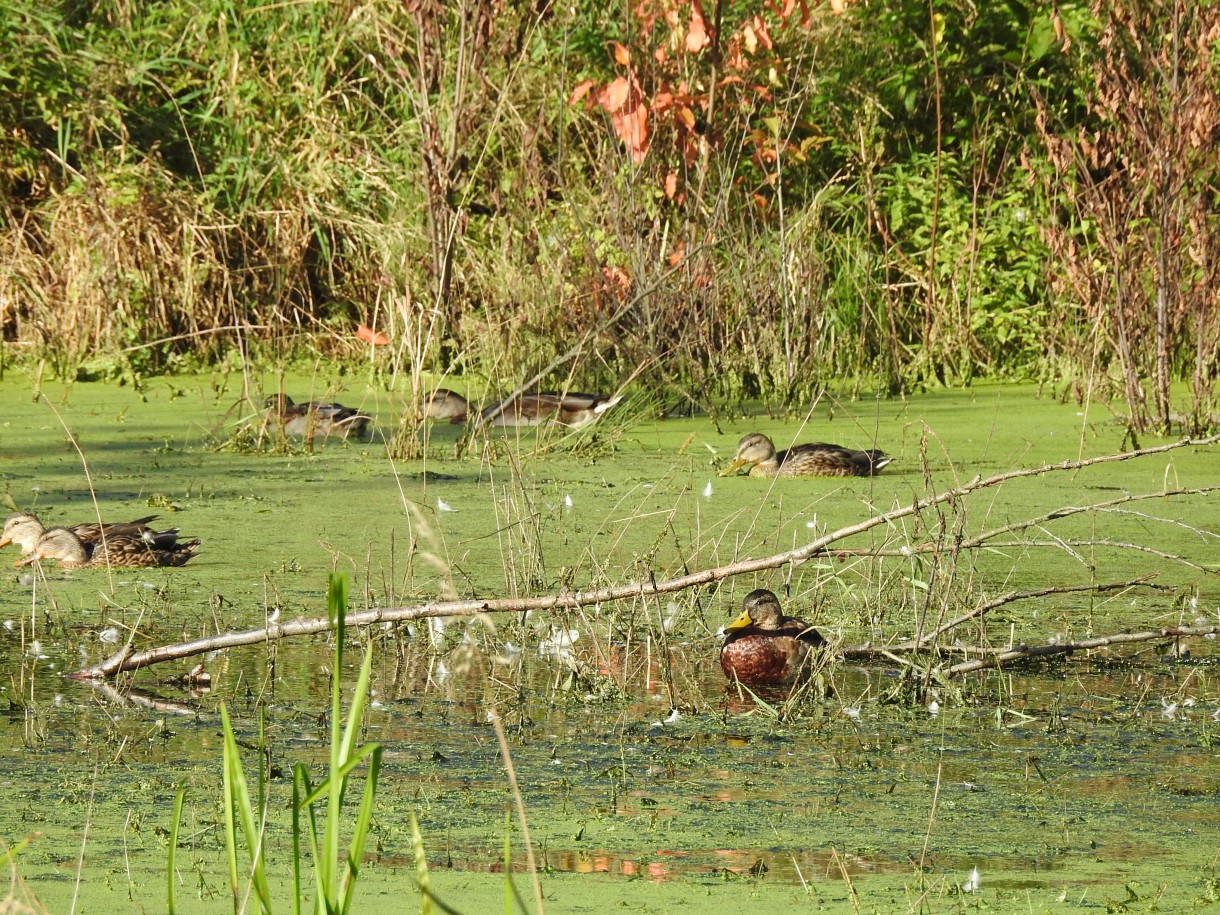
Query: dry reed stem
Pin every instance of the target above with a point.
(519, 801)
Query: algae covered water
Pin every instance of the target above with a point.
(1073, 785)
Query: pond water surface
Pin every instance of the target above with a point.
(1072, 785)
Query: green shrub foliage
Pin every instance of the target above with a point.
(734, 200)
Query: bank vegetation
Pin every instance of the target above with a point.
(723, 200)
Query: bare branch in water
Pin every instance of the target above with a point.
(128, 659)
(1021, 653)
(1013, 596)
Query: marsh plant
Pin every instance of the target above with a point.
(334, 873)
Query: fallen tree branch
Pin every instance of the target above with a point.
(128, 659)
(894, 651)
(986, 538)
(1012, 596)
(1010, 656)
(1114, 544)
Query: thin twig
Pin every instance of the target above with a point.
(1067, 511)
(984, 539)
(1116, 544)
(197, 333)
(84, 463)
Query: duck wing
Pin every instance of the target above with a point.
(91, 531)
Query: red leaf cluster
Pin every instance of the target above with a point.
(659, 96)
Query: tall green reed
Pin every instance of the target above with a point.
(335, 880)
(334, 872)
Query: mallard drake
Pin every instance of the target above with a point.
(24, 529)
(762, 647)
(528, 409)
(816, 459)
(152, 549)
(314, 418)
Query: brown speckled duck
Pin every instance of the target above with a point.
(816, 459)
(314, 418)
(528, 409)
(152, 549)
(24, 529)
(762, 647)
(444, 404)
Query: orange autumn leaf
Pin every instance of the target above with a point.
(616, 276)
(671, 185)
(678, 254)
(631, 125)
(696, 36)
(614, 96)
(621, 55)
(751, 39)
(764, 36)
(693, 147)
(614, 285)
(581, 90)
(370, 336)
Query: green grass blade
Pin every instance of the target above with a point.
(175, 822)
(300, 776)
(324, 787)
(297, 789)
(327, 867)
(438, 902)
(512, 895)
(355, 714)
(508, 863)
(10, 854)
(237, 797)
(230, 750)
(364, 819)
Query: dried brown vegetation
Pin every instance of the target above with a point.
(1141, 173)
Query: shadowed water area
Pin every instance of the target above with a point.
(648, 783)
